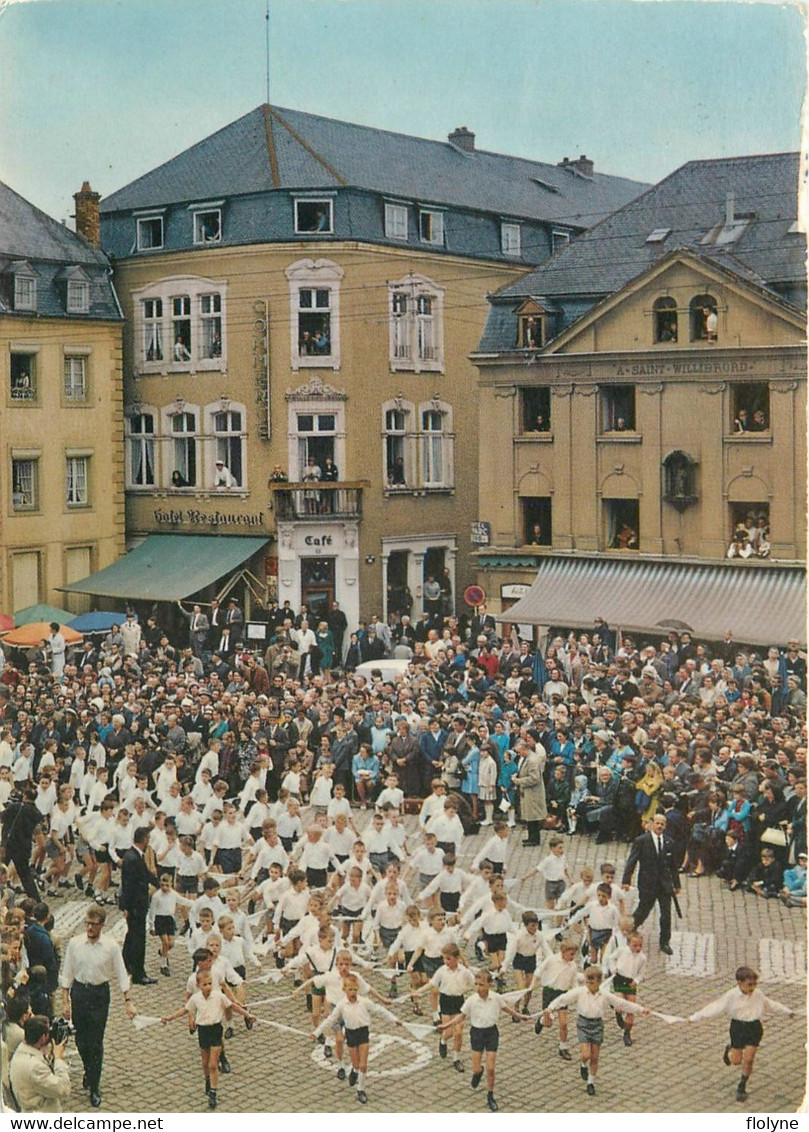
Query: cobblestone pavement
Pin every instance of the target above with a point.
(670, 1068)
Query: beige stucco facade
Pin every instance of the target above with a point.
(61, 419)
(588, 477)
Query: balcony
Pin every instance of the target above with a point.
(321, 501)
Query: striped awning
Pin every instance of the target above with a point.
(762, 604)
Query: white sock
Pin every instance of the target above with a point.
(591, 1079)
(360, 1082)
(456, 1055)
(563, 1045)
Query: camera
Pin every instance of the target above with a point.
(61, 1030)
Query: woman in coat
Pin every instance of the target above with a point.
(533, 809)
(325, 642)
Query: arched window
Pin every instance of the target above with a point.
(140, 448)
(398, 429)
(181, 426)
(664, 314)
(227, 426)
(704, 319)
(436, 444)
(415, 306)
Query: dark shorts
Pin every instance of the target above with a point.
(450, 901)
(103, 857)
(317, 878)
(288, 843)
(418, 965)
(446, 846)
(241, 971)
(388, 935)
(165, 925)
(431, 965)
(589, 1030)
(495, 943)
(497, 867)
(186, 885)
(287, 925)
(379, 861)
(450, 1004)
(554, 889)
(548, 995)
(745, 1034)
(623, 985)
(228, 860)
(358, 1037)
(209, 1036)
(352, 917)
(486, 1040)
(526, 963)
(600, 937)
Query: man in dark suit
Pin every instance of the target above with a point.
(134, 903)
(658, 878)
(234, 620)
(198, 626)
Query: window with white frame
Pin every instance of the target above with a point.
(228, 429)
(436, 445)
(77, 485)
(314, 216)
(25, 483)
(510, 238)
(416, 324)
(395, 221)
(208, 226)
(78, 296)
(398, 436)
(559, 239)
(180, 325)
(25, 293)
(140, 449)
(183, 449)
(75, 373)
(150, 233)
(316, 429)
(23, 376)
(431, 226)
(314, 287)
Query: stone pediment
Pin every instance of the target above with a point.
(316, 390)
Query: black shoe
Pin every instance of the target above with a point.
(565, 1055)
(224, 1064)
(442, 1050)
(95, 1099)
(666, 949)
(591, 1089)
(145, 982)
(79, 883)
(627, 1038)
(229, 1032)
(476, 1079)
(492, 1103)
(459, 1066)
(741, 1091)
(352, 1078)
(251, 907)
(584, 1072)
(726, 1055)
(341, 1074)
(212, 1099)
(362, 1096)
(327, 1053)
(539, 1026)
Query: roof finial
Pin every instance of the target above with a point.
(267, 47)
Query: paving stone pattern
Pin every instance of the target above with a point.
(670, 1068)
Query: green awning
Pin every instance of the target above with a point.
(169, 567)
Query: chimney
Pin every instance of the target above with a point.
(462, 139)
(585, 166)
(730, 208)
(88, 221)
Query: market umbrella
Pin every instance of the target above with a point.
(673, 623)
(38, 631)
(46, 613)
(97, 622)
(6, 622)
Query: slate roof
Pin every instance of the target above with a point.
(690, 202)
(272, 148)
(28, 234)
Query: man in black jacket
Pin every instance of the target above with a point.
(658, 878)
(20, 819)
(134, 903)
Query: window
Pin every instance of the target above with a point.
(140, 450)
(703, 318)
(658, 236)
(617, 408)
(78, 296)
(397, 455)
(510, 238)
(664, 315)
(622, 527)
(314, 216)
(23, 377)
(536, 521)
(436, 445)
(750, 530)
(150, 233)
(180, 325)
(396, 221)
(314, 295)
(316, 433)
(75, 378)
(184, 449)
(25, 484)
(229, 445)
(559, 239)
(750, 406)
(208, 226)
(536, 409)
(416, 324)
(431, 227)
(25, 293)
(531, 325)
(77, 492)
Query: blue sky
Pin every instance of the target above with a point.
(104, 90)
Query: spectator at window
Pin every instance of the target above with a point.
(740, 547)
(396, 473)
(711, 324)
(540, 424)
(179, 480)
(222, 477)
(278, 475)
(627, 537)
(669, 332)
(759, 422)
(181, 351)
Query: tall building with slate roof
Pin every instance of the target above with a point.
(62, 514)
(651, 381)
(301, 297)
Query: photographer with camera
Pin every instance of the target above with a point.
(91, 963)
(39, 1075)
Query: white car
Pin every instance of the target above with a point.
(391, 668)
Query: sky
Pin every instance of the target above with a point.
(105, 90)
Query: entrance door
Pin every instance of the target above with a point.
(317, 587)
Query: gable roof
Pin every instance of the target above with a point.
(272, 148)
(691, 202)
(28, 233)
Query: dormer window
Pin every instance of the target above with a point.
(431, 227)
(510, 242)
(664, 315)
(531, 326)
(150, 233)
(78, 296)
(559, 239)
(25, 287)
(704, 319)
(208, 226)
(314, 217)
